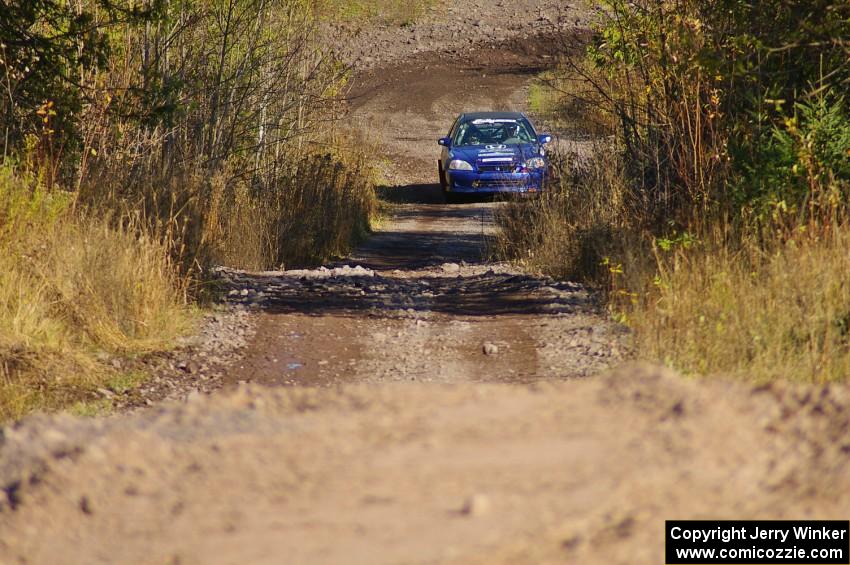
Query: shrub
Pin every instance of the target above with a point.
(801, 174)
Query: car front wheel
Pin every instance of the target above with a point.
(442, 175)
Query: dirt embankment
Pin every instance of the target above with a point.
(583, 471)
(422, 404)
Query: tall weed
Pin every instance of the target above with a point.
(73, 288)
(585, 215)
(751, 311)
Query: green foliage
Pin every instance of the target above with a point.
(91, 408)
(125, 382)
(676, 241)
(47, 47)
(806, 160)
(692, 84)
(25, 204)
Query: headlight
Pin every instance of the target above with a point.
(458, 165)
(535, 163)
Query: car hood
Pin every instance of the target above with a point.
(482, 154)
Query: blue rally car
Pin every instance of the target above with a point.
(492, 152)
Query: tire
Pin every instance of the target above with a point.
(449, 197)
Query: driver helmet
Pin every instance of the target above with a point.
(511, 130)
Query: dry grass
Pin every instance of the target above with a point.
(253, 173)
(755, 314)
(575, 225)
(77, 287)
(319, 211)
(315, 208)
(732, 306)
(74, 288)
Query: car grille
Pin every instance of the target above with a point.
(496, 168)
(501, 183)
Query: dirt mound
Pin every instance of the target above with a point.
(583, 471)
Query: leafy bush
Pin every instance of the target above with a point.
(691, 86)
(801, 174)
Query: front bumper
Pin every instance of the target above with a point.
(474, 182)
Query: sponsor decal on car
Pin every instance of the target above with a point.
(494, 121)
(496, 151)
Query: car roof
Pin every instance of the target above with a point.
(491, 116)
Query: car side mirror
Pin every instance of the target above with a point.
(544, 138)
(444, 141)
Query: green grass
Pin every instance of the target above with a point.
(542, 99)
(92, 408)
(125, 382)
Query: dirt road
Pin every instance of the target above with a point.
(427, 298)
(418, 403)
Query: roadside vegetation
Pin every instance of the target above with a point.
(714, 209)
(143, 143)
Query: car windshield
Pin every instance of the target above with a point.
(505, 131)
